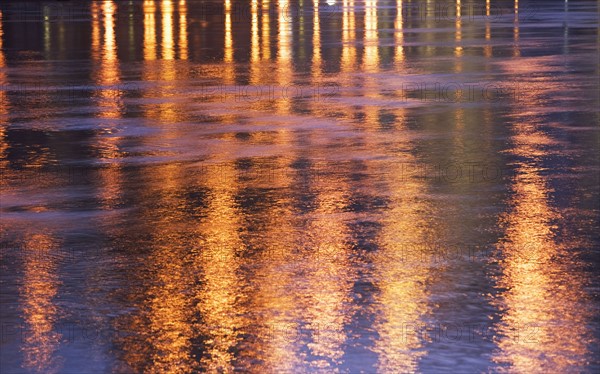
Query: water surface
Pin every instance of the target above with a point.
(282, 186)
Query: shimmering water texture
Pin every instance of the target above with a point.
(299, 186)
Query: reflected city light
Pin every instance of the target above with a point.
(541, 328)
(266, 31)
(399, 34)
(218, 254)
(316, 61)
(228, 68)
(277, 187)
(348, 36)
(458, 50)
(4, 103)
(41, 339)
(254, 36)
(168, 49)
(402, 270)
(329, 274)
(183, 33)
(516, 48)
(371, 56)
(149, 30)
(284, 56)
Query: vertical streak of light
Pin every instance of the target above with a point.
(4, 105)
(277, 307)
(566, 33)
(221, 294)
(167, 310)
(458, 50)
(2, 61)
(316, 58)
(168, 52)
(96, 47)
(167, 111)
(266, 31)
(399, 32)
(348, 36)
(149, 30)
(254, 44)
(487, 50)
(40, 286)
(254, 37)
(228, 36)
(131, 32)
(183, 34)
(284, 56)
(329, 272)
(109, 73)
(371, 61)
(371, 58)
(516, 47)
(109, 98)
(402, 272)
(110, 48)
(47, 32)
(545, 309)
(229, 68)
(150, 52)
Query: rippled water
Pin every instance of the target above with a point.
(274, 186)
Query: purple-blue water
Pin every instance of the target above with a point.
(296, 186)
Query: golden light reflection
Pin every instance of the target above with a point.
(163, 321)
(516, 48)
(110, 71)
(371, 85)
(487, 50)
(371, 57)
(399, 33)
(284, 55)
(218, 258)
(259, 70)
(274, 284)
(543, 326)
(329, 274)
(229, 68)
(316, 59)
(96, 42)
(4, 104)
(266, 31)
(107, 74)
(254, 40)
(2, 61)
(168, 47)
(458, 50)
(170, 311)
(183, 34)
(40, 313)
(48, 48)
(149, 30)
(348, 36)
(402, 270)
(168, 71)
(166, 75)
(228, 36)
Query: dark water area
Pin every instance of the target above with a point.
(299, 186)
